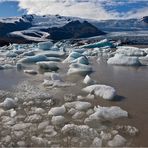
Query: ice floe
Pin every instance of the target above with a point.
(56, 111)
(45, 45)
(120, 59)
(104, 91)
(106, 113)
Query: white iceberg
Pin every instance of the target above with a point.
(130, 51)
(72, 56)
(81, 60)
(106, 92)
(106, 113)
(45, 45)
(120, 59)
(79, 69)
(144, 60)
(33, 59)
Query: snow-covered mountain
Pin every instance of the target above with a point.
(30, 28)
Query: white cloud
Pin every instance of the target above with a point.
(95, 9)
(81, 8)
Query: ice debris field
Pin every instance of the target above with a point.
(30, 115)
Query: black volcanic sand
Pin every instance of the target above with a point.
(131, 84)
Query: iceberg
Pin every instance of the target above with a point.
(120, 59)
(81, 60)
(72, 56)
(45, 45)
(106, 92)
(102, 43)
(130, 51)
(144, 60)
(79, 69)
(33, 59)
(106, 114)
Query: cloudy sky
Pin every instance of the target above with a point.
(95, 9)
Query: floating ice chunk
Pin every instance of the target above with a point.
(106, 92)
(47, 83)
(130, 51)
(39, 141)
(52, 53)
(56, 59)
(72, 56)
(120, 59)
(144, 60)
(102, 43)
(43, 124)
(56, 111)
(21, 126)
(105, 135)
(78, 115)
(79, 50)
(97, 142)
(53, 66)
(87, 80)
(8, 66)
(32, 72)
(82, 106)
(108, 113)
(117, 141)
(11, 54)
(33, 59)
(12, 113)
(82, 131)
(78, 105)
(79, 69)
(34, 118)
(45, 45)
(81, 60)
(8, 103)
(55, 77)
(127, 129)
(28, 53)
(58, 120)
